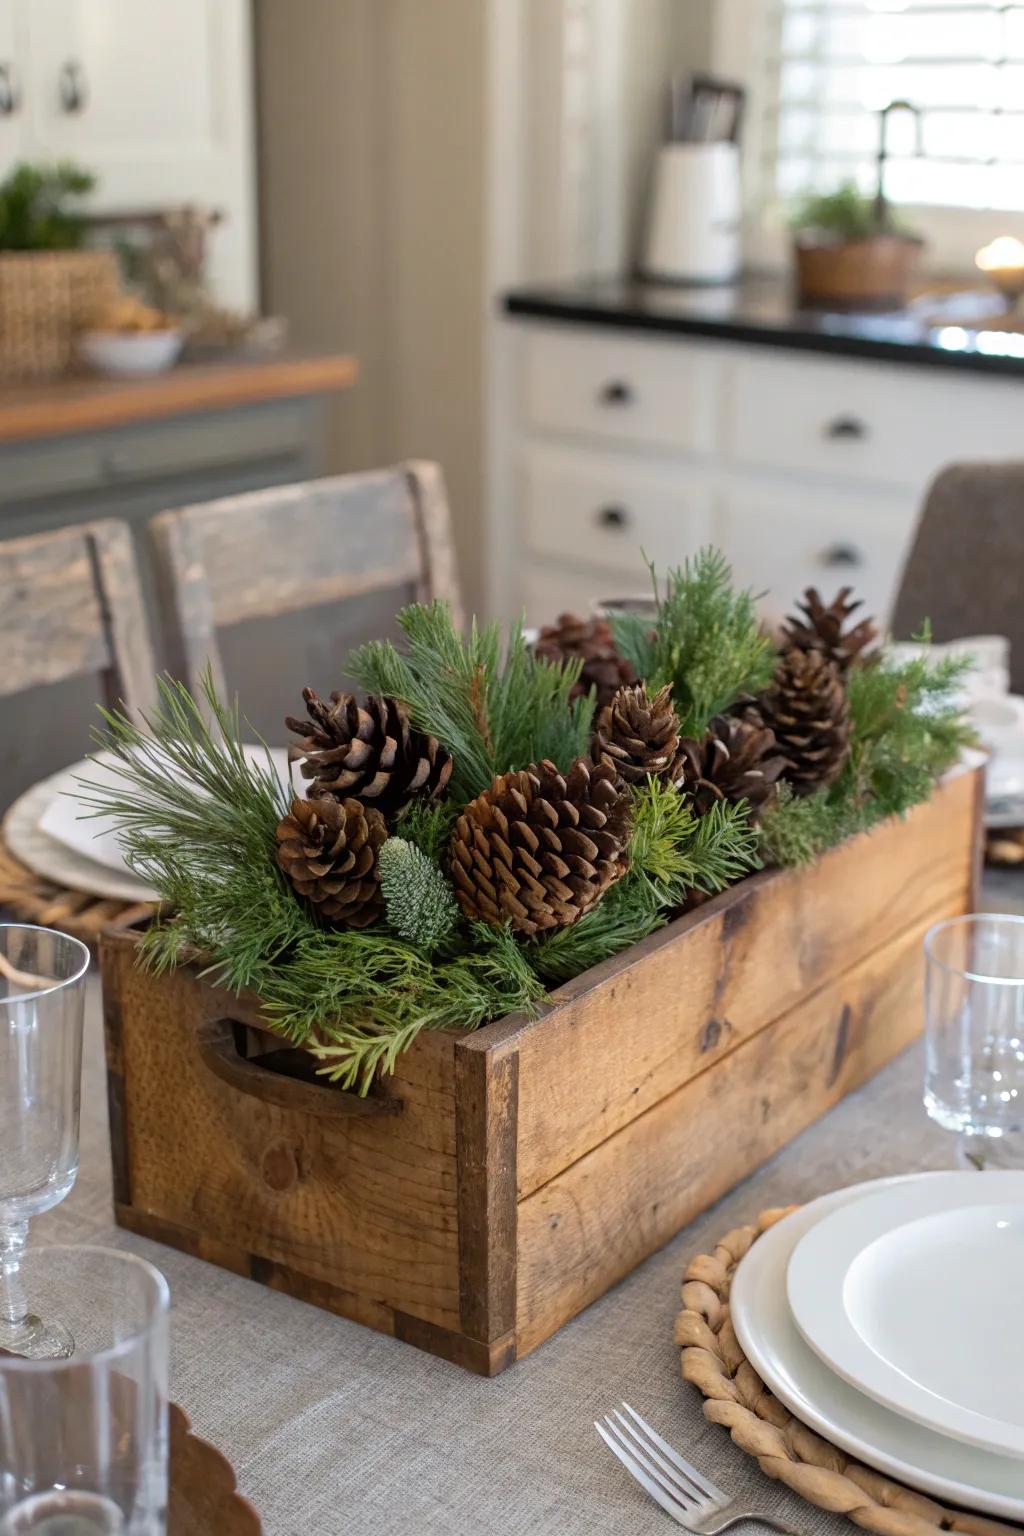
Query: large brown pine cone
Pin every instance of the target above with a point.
(328, 850)
(737, 760)
(592, 640)
(637, 735)
(367, 750)
(807, 708)
(537, 849)
(821, 628)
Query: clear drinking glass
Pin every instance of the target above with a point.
(42, 996)
(83, 1441)
(974, 1009)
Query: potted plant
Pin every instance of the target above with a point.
(49, 284)
(852, 251)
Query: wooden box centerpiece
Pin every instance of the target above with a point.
(492, 1182)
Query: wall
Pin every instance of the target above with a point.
(372, 143)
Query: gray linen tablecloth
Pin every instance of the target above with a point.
(335, 1429)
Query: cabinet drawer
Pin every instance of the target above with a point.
(548, 589)
(607, 511)
(867, 421)
(781, 540)
(602, 384)
(199, 444)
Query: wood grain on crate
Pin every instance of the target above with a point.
(90, 404)
(628, 1033)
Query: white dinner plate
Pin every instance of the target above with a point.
(946, 1469)
(913, 1295)
(68, 820)
(40, 853)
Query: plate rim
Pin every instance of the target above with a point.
(822, 1256)
(970, 1495)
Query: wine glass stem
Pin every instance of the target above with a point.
(13, 1304)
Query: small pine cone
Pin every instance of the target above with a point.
(807, 708)
(821, 629)
(367, 750)
(737, 760)
(328, 850)
(537, 849)
(592, 640)
(637, 735)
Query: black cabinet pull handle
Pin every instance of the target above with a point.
(617, 392)
(842, 554)
(72, 87)
(8, 94)
(612, 517)
(848, 428)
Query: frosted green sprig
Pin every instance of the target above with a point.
(419, 901)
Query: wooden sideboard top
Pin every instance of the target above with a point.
(90, 404)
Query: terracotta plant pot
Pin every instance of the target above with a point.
(874, 273)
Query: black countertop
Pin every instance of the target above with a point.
(940, 330)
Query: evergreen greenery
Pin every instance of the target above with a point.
(198, 817)
(706, 641)
(495, 709)
(907, 728)
(419, 900)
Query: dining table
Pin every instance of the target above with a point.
(335, 1430)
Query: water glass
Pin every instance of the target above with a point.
(83, 1441)
(42, 996)
(974, 1062)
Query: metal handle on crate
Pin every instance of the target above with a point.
(216, 1041)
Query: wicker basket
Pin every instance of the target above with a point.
(46, 297)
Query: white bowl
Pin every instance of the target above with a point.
(130, 352)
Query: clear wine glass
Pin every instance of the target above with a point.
(42, 997)
(974, 1043)
(83, 1441)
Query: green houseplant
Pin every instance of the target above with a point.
(852, 251)
(49, 283)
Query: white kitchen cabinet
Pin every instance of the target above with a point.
(154, 97)
(804, 469)
(782, 538)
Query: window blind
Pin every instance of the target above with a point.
(960, 62)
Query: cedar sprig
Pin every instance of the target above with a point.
(496, 708)
(705, 640)
(419, 900)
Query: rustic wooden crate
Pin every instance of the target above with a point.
(500, 1181)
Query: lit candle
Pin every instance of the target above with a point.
(1003, 262)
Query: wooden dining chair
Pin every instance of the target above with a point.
(71, 607)
(965, 569)
(292, 548)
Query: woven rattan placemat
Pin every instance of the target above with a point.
(759, 1424)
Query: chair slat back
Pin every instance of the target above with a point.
(71, 605)
(293, 547)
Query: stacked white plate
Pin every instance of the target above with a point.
(890, 1318)
(53, 830)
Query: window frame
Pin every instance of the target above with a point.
(740, 40)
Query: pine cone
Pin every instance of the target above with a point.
(737, 760)
(328, 850)
(592, 639)
(636, 735)
(821, 628)
(807, 708)
(537, 849)
(368, 750)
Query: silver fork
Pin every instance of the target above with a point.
(687, 1495)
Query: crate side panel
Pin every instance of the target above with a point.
(367, 1205)
(674, 1006)
(593, 1224)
